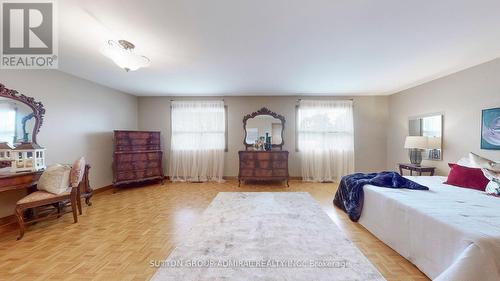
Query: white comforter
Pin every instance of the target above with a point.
(449, 233)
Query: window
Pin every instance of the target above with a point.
(198, 140)
(325, 139)
(325, 125)
(198, 125)
(431, 126)
(252, 135)
(8, 124)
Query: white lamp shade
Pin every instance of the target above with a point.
(416, 142)
(433, 142)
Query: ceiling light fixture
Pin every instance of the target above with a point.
(123, 54)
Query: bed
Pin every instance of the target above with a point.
(449, 233)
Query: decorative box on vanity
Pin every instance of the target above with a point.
(137, 157)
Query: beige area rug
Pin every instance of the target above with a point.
(265, 236)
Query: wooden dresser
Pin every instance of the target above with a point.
(137, 157)
(263, 165)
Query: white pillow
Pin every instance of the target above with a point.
(465, 162)
(55, 179)
(493, 187)
(484, 163)
(491, 171)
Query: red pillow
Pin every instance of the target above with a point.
(467, 177)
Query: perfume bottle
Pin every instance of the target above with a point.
(268, 142)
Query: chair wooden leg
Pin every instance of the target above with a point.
(59, 209)
(73, 206)
(20, 220)
(34, 212)
(79, 202)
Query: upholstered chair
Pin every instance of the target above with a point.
(44, 198)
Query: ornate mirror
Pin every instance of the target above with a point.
(20, 117)
(262, 123)
(430, 127)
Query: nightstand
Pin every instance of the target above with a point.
(418, 169)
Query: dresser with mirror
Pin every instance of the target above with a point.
(22, 159)
(20, 120)
(263, 158)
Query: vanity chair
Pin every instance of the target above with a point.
(43, 198)
(263, 162)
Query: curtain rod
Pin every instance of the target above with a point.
(203, 100)
(351, 99)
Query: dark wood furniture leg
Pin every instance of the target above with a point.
(73, 196)
(79, 201)
(59, 209)
(33, 213)
(20, 220)
(88, 191)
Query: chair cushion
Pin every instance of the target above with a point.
(55, 179)
(40, 195)
(77, 171)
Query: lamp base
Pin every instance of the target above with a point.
(415, 156)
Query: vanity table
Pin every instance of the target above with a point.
(263, 165)
(15, 181)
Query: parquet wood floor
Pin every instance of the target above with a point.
(117, 237)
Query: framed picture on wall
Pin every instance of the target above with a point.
(490, 129)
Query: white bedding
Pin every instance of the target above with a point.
(449, 233)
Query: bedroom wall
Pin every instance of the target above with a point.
(80, 118)
(460, 97)
(370, 122)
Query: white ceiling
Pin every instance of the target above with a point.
(278, 47)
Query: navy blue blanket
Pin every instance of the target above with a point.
(350, 196)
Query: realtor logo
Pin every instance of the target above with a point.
(28, 35)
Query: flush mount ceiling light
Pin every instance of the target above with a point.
(123, 54)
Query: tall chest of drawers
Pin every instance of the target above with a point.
(263, 165)
(137, 157)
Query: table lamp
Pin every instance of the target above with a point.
(416, 144)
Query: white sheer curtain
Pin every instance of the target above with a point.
(325, 139)
(198, 140)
